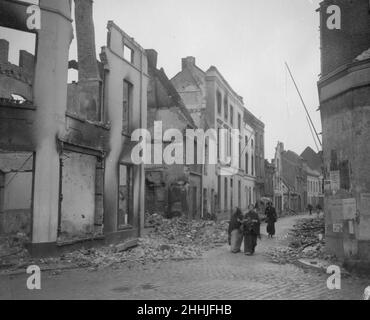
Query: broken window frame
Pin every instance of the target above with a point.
(31, 156)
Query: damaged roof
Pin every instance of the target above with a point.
(173, 96)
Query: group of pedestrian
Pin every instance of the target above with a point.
(246, 226)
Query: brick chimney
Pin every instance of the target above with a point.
(188, 62)
(88, 66)
(88, 70)
(27, 62)
(152, 57)
(4, 51)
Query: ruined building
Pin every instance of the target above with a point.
(213, 104)
(344, 91)
(66, 174)
(170, 189)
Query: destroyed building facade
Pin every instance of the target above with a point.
(344, 92)
(170, 190)
(65, 156)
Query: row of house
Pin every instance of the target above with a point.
(66, 168)
(295, 181)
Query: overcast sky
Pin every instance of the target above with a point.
(247, 40)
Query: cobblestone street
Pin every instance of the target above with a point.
(217, 275)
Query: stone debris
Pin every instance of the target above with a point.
(308, 232)
(181, 231)
(12, 251)
(306, 240)
(170, 239)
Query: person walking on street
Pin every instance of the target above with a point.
(271, 218)
(251, 231)
(235, 232)
(310, 208)
(318, 210)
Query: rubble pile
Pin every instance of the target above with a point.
(147, 251)
(181, 231)
(170, 239)
(308, 232)
(12, 250)
(306, 240)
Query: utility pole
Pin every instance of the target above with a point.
(304, 105)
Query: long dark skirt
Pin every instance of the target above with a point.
(250, 243)
(270, 228)
(236, 240)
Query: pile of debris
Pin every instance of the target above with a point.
(147, 251)
(181, 231)
(306, 240)
(170, 239)
(12, 250)
(308, 232)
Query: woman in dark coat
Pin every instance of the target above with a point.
(251, 231)
(235, 232)
(271, 218)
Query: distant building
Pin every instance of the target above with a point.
(315, 179)
(290, 180)
(313, 159)
(259, 154)
(294, 178)
(278, 178)
(213, 104)
(315, 194)
(269, 180)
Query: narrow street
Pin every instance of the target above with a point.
(217, 275)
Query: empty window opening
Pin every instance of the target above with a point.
(16, 179)
(17, 60)
(128, 54)
(125, 196)
(126, 107)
